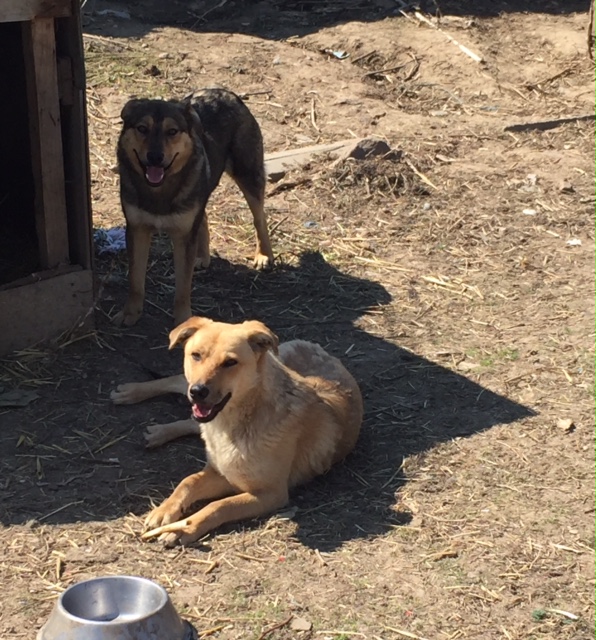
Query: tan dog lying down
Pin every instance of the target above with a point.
(271, 419)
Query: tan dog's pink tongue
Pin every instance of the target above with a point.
(154, 175)
(201, 412)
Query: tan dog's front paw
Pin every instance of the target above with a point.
(184, 532)
(156, 435)
(125, 394)
(165, 514)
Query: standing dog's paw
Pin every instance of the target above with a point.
(127, 318)
(181, 314)
(203, 262)
(262, 262)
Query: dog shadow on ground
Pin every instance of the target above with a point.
(411, 404)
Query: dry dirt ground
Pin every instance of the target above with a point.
(457, 283)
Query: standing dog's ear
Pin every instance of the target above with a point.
(129, 108)
(185, 330)
(259, 337)
(191, 115)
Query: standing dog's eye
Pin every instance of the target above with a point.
(196, 357)
(142, 129)
(230, 362)
(171, 132)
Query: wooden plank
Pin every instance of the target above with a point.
(69, 45)
(279, 162)
(46, 141)
(25, 10)
(38, 276)
(42, 311)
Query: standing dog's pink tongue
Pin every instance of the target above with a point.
(154, 175)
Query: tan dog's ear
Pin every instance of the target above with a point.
(185, 330)
(260, 337)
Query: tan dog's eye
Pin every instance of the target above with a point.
(230, 362)
(142, 129)
(171, 132)
(196, 357)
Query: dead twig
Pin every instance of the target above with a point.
(412, 71)
(202, 16)
(534, 85)
(272, 628)
(405, 634)
(420, 175)
(378, 72)
(313, 114)
(364, 56)
(248, 94)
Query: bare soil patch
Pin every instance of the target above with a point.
(457, 283)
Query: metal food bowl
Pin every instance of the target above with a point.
(115, 608)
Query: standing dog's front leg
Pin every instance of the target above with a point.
(185, 255)
(203, 253)
(231, 509)
(138, 243)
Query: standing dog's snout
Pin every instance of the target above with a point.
(155, 158)
(199, 392)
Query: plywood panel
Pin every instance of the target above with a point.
(39, 312)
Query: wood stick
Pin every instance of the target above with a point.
(39, 46)
(548, 124)
(464, 49)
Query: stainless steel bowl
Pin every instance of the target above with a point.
(115, 608)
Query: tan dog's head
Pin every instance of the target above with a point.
(158, 137)
(221, 361)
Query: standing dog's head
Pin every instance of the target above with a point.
(221, 361)
(158, 137)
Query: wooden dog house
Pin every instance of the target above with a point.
(46, 280)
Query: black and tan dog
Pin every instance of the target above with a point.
(171, 156)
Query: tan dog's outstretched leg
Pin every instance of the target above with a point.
(133, 392)
(158, 434)
(243, 506)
